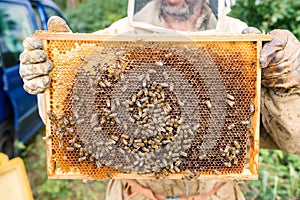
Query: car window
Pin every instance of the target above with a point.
(51, 12)
(15, 26)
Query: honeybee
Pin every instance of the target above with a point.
(226, 149)
(208, 104)
(201, 157)
(81, 152)
(164, 84)
(245, 122)
(124, 88)
(230, 127)
(70, 130)
(109, 175)
(186, 47)
(229, 96)
(107, 83)
(171, 87)
(141, 77)
(141, 164)
(51, 114)
(77, 145)
(80, 121)
(115, 138)
(169, 55)
(65, 121)
(252, 108)
(96, 129)
(159, 63)
(165, 75)
(152, 71)
(236, 144)
(70, 148)
(164, 161)
(102, 84)
(103, 120)
(184, 154)
(136, 117)
(131, 119)
(82, 158)
(227, 164)
(144, 83)
(61, 144)
(147, 76)
(230, 103)
(145, 149)
(140, 144)
(176, 169)
(216, 172)
(235, 161)
(47, 137)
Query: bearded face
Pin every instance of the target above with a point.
(180, 9)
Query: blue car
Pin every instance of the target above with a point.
(19, 118)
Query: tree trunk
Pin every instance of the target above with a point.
(72, 3)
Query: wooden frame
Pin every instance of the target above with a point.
(247, 174)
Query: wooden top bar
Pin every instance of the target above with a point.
(46, 35)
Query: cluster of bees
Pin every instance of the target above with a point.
(230, 153)
(114, 72)
(62, 126)
(159, 139)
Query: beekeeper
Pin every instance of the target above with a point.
(280, 96)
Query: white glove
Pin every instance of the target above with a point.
(34, 65)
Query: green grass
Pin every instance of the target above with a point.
(278, 177)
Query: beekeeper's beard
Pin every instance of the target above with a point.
(182, 14)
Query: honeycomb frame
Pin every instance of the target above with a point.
(78, 60)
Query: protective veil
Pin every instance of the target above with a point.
(199, 16)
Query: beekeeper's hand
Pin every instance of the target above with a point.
(34, 65)
(280, 61)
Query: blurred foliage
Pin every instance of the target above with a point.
(19, 145)
(269, 14)
(62, 4)
(93, 15)
(279, 177)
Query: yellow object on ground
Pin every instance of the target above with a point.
(14, 184)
